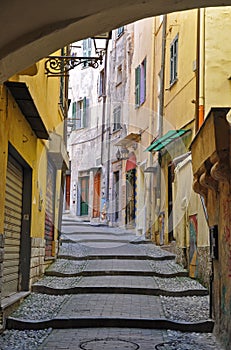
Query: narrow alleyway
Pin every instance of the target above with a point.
(110, 290)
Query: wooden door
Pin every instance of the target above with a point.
(96, 197)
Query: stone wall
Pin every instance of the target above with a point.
(204, 264)
(37, 259)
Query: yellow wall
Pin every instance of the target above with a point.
(15, 129)
(139, 117)
(178, 107)
(217, 57)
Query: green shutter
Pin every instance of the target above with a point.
(137, 86)
(74, 115)
(85, 112)
(145, 65)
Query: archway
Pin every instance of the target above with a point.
(32, 30)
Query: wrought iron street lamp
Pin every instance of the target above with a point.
(61, 65)
(122, 154)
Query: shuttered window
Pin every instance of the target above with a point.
(117, 118)
(143, 81)
(137, 86)
(173, 60)
(140, 84)
(120, 31)
(101, 84)
(87, 48)
(84, 124)
(80, 114)
(74, 116)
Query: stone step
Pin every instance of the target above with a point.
(88, 273)
(117, 256)
(117, 290)
(92, 322)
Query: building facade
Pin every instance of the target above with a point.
(164, 75)
(87, 132)
(33, 161)
(196, 100)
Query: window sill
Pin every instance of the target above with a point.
(140, 105)
(114, 131)
(173, 83)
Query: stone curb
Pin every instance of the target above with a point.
(116, 273)
(93, 322)
(117, 290)
(97, 240)
(121, 257)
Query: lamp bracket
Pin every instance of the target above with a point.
(61, 65)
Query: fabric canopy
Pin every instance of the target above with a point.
(163, 141)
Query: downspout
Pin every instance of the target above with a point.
(108, 138)
(161, 109)
(151, 134)
(200, 104)
(104, 130)
(63, 171)
(200, 71)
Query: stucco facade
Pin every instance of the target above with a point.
(27, 142)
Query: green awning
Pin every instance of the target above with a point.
(163, 141)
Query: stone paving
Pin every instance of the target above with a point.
(115, 300)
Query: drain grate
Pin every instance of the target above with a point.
(109, 344)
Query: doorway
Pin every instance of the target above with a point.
(130, 198)
(84, 199)
(17, 220)
(96, 197)
(116, 195)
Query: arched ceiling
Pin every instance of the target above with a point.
(30, 30)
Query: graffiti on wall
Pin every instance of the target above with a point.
(227, 233)
(193, 234)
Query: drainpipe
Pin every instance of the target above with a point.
(104, 130)
(161, 110)
(63, 171)
(151, 128)
(200, 71)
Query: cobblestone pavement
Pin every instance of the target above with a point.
(112, 281)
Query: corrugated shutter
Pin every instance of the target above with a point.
(12, 227)
(50, 202)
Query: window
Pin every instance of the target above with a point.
(79, 117)
(74, 116)
(140, 84)
(101, 85)
(80, 114)
(173, 60)
(87, 46)
(120, 31)
(117, 118)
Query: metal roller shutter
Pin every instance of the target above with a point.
(50, 203)
(12, 227)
